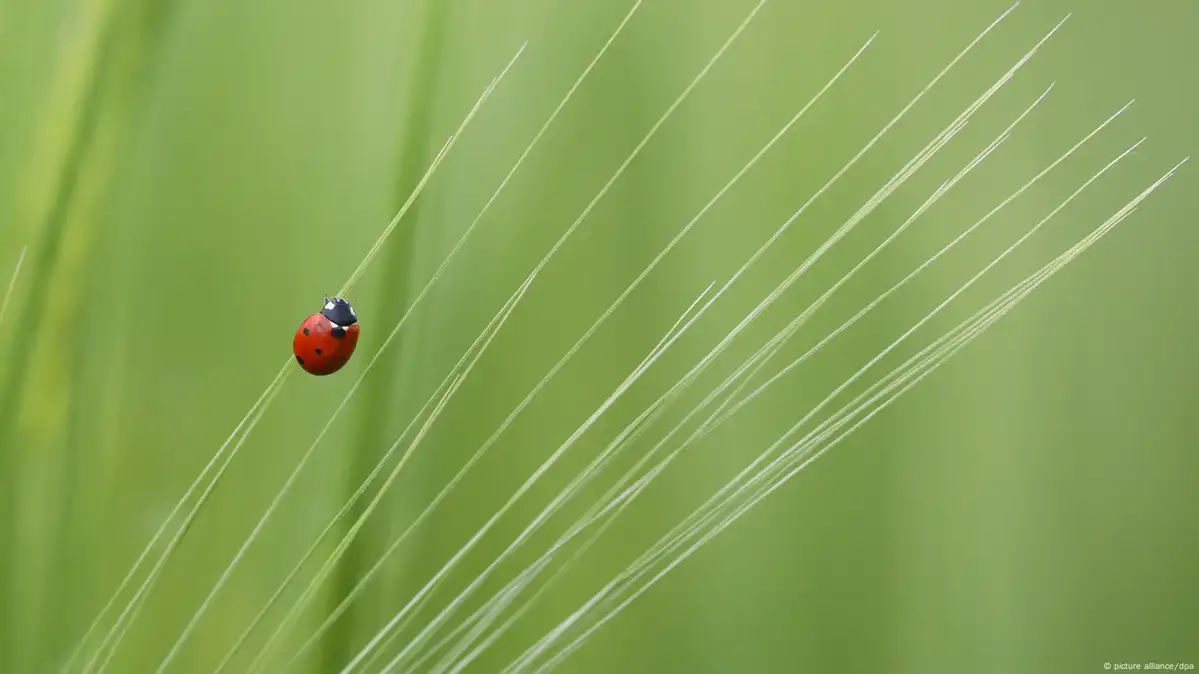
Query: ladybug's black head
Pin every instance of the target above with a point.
(339, 312)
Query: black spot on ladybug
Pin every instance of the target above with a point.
(305, 331)
(318, 351)
(338, 332)
(342, 357)
(299, 360)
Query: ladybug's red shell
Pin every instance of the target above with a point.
(316, 348)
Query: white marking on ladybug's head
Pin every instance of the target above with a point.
(329, 305)
(353, 313)
(334, 325)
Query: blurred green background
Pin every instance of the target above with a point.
(191, 178)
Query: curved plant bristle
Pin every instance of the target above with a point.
(12, 283)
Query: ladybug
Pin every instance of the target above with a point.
(326, 340)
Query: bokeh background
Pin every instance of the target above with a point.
(191, 178)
